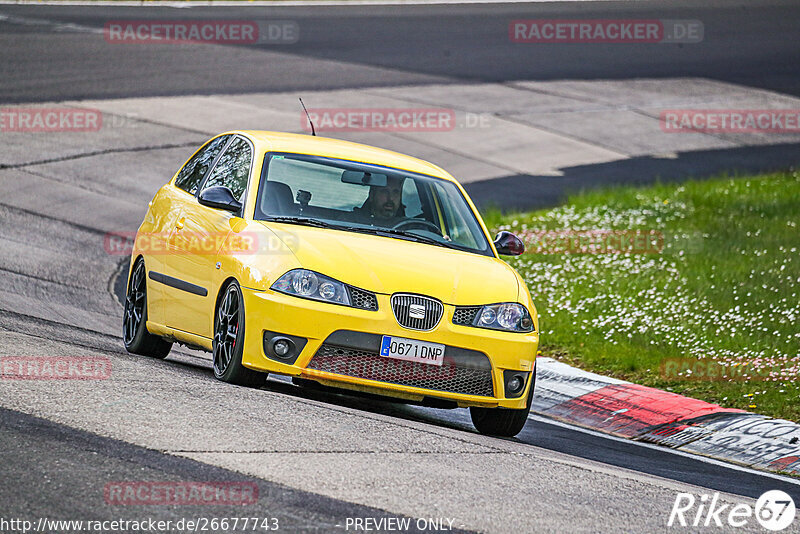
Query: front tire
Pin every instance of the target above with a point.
(135, 336)
(228, 344)
(502, 422)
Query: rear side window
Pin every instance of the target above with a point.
(192, 174)
(233, 168)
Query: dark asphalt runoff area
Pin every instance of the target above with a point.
(748, 43)
(57, 472)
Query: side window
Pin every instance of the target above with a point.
(192, 174)
(411, 199)
(459, 226)
(233, 168)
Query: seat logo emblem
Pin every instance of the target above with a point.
(416, 311)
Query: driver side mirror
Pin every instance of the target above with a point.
(508, 244)
(219, 197)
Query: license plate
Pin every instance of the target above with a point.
(412, 350)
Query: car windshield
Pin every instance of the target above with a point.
(347, 195)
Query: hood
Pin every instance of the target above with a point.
(388, 265)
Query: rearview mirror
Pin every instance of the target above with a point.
(508, 244)
(364, 178)
(219, 197)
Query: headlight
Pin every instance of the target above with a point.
(311, 285)
(508, 316)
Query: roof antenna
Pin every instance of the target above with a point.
(308, 117)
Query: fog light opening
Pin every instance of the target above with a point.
(282, 347)
(516, 384)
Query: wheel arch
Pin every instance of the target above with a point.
(133, 261)
(221, 290)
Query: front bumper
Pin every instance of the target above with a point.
(341, 350)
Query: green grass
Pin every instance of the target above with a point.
(723, 290)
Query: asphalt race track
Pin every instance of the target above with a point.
(343, 47)
(318, 458)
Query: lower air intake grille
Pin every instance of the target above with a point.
(451, 377)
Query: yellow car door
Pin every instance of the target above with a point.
(199, 234)
(152, 242)
(154, 238)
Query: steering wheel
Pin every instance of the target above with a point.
(418, 222)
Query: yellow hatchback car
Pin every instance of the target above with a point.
(337, 264)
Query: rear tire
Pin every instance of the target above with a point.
(228, 344)
(502, 422)
(135, 336)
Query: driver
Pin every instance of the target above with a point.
(384, 203)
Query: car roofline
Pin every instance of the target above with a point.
(272, 141)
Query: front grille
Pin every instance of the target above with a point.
(416, 312)
(453, 376)
(465, 315)
(363, 299)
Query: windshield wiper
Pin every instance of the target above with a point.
(412, 236)
(386, 232)
(302, 220)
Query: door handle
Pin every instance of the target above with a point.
(179, 225)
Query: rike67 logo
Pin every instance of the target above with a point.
(774, 510)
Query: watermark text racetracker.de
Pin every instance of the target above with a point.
(376, 368)
(779, 121)
(226, 32)
(55, 368)
(592, 241)
(43, 120)
(709, 370)
(599, 31)
(381, 120)
(46, 120)
(774, 510)
(142, 493)
(125, 243)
